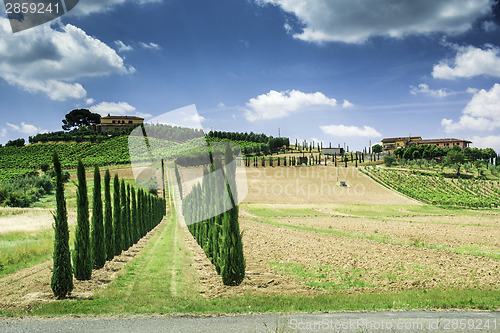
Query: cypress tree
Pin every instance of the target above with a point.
(232, 268)
(98, 242)
(62, 275)
(117, 225)
(82, 255)
(129, 219)
(135, 225)
(123, 219)
(108, 218)
(139, 213)
(143, 213)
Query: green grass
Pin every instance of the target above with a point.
(325, 277)
(22, 249)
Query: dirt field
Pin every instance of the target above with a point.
(317, 185)
(353, 265)
(428, 229)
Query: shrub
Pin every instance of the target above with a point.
(389, 160)
(44, 167)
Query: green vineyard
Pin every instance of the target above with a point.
(16, 162)
(438, 190)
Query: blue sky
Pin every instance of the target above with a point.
(331, 70)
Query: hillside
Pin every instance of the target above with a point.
(17, 162)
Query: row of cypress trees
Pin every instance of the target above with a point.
(112, 229)
(218, 235)
(311, 160)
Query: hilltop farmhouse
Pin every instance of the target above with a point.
(110, 123)
(391, 144)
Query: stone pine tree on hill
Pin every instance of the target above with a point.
(82, 255)
(62, 275)
(108, 218)
(98, 242)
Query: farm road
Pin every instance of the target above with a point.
(387, 321)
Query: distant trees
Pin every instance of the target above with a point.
(377, 149)
(80, 117)
(431, 152)
(15, 143)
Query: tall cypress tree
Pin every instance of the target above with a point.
(134, 216)
(123, 202)
(139, 213)
(233, 262)
(98, 242)
(62, 275)
(117, 225)
(108, 218)
(129, 218)
(82, 255)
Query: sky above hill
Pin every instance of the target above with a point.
(332, 70)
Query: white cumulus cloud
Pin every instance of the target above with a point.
(490, 141)
(469, 61)
(424, 89)
(87, 7)
(481, 114)
(355, 21)
(24, 128)
(346, 104)
(350, 131)
(112, 108)
(122, 47)
(150, 46)
(50, 61)
(280, 104)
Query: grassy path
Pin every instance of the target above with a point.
(158, 280)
